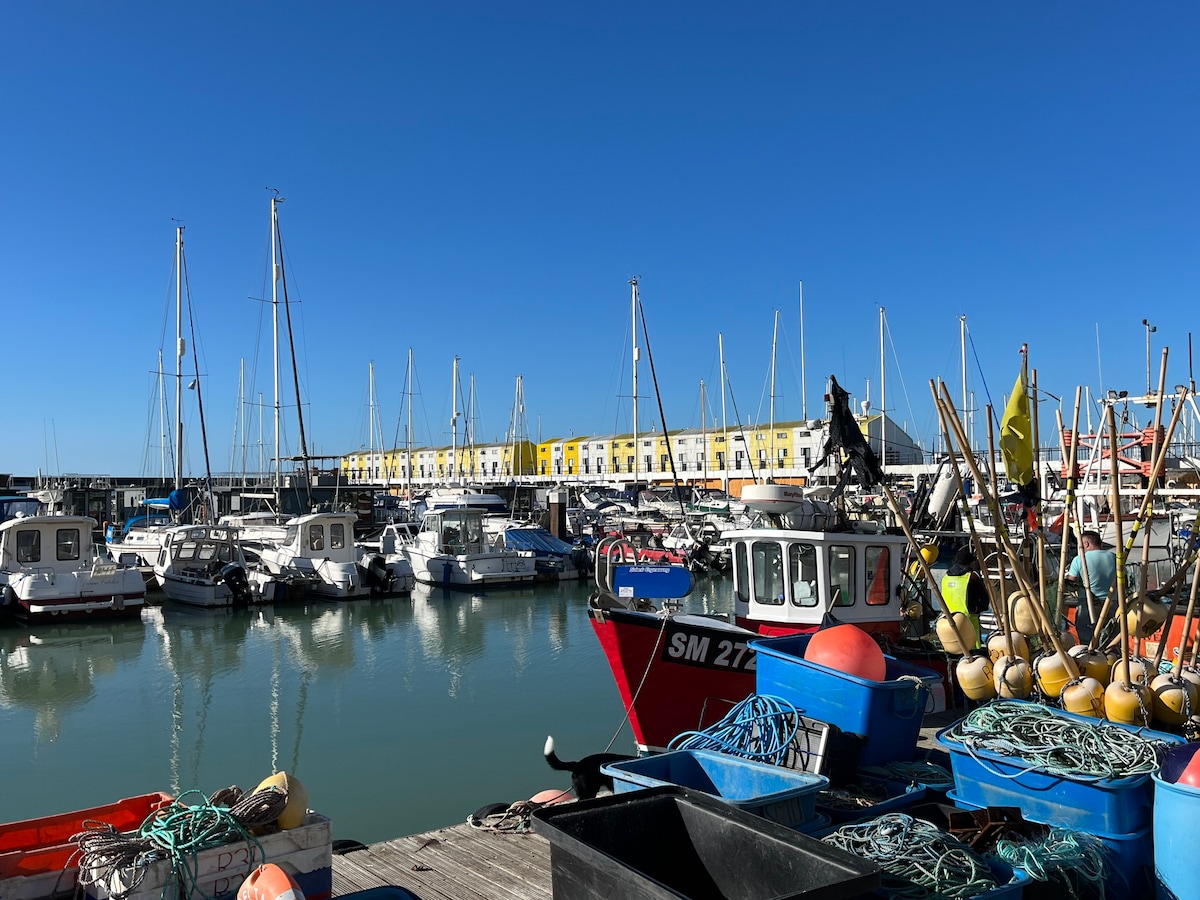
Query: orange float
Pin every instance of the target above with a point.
(270, 882)
(848, 649)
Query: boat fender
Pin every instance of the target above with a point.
(270, 882)
(297, 798)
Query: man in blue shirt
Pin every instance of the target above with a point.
(1101, 567)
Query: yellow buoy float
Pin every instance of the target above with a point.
(1145, 617)
(1174, 699)
(1084, 696)
(1052, 673)
(1141, 670)
(998, 646)
(949, 634)
(1013, 678)
(975, 677)
(297, 798)
(1021, 615)
(1091, 663)
(1128, 705)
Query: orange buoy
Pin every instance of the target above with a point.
(547, 797)
(270, 882)
(848, 649)
(1191, 772)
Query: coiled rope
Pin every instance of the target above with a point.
(918, 771)
(1057, 745)
(918, 860)
(1069, 858)
(178, 833)
(760, 728)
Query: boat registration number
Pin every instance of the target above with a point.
(700, 647)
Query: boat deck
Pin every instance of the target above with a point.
(462, 862)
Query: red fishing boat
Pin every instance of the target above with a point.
(677, 671)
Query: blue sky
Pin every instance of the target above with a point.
(482, 180)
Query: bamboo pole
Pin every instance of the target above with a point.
(1037, 508)
(1069, 512)
(1115, 503)
(1001, 529)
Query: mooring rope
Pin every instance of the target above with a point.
(918, 860)
(1069, 858)
(177, 832)
(1057, 745)
(918, 771)
(761, 727)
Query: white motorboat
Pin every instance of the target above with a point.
(451, 550)
(49, 571)
(203, 565)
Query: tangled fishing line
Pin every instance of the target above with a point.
(178, 833)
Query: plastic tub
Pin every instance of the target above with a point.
(1110, 805)
(671, 842)
(782, 795)
(1176, 812)
(900, 795)
(887, 714)
(1128, 864)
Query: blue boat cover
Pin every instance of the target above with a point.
(536, 539)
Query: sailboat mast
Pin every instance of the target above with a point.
(703, 436)
(724, 421)
(882, 396)
(471, 425)
(962, 345)
(371, 409)
(180, 350)
(162, 418)
(633, 302)
(803, 381)
(771, 445)
(454, 423)
(409, 436)
(275, 326)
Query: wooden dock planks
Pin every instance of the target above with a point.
(456, 863)
(467, 863)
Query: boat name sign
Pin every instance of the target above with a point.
(700, 647)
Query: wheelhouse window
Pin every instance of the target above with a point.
(768, 573)
(741, 581)
(316, 537)
(68, 543)
(841, 575)
(879, 576)
(802, 563)
(29, 546)
(337, 536)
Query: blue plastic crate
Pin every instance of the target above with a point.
(782, 795)
(1128, 860)
(900, 794)
(1109, 806)
(886, 713)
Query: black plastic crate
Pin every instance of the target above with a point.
(673, 842)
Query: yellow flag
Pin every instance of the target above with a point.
(1016, 436)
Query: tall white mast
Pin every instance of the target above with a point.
(470, 436)
(409, 435)
(882, 396)
(724, 422)
(162, 417)
(636, 356)
(771, 444)
(962, 343)
(371, 411)
(180, 350)
(454, 424)
(275, 276)
(803, 382)
(703, 435)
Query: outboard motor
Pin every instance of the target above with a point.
(234, 576)
(375, 573)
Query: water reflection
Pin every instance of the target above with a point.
(399, 714)
(53, 668)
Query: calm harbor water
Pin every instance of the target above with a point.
(399, 715)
